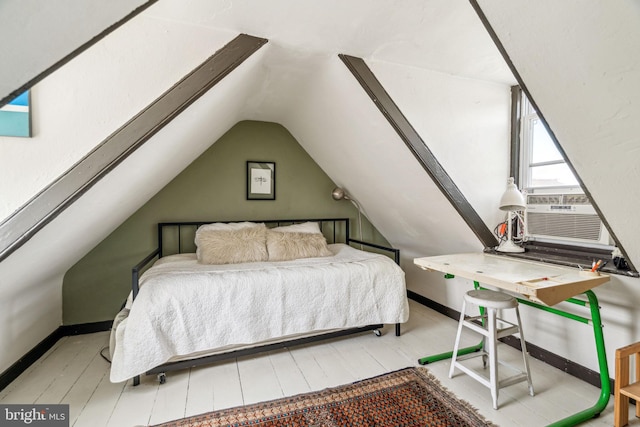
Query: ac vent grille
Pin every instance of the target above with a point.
(575, 226)
(544, 199)
(576, 199)
(558, 199)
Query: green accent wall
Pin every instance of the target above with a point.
(212, 188)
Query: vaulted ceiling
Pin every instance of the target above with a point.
(408, 44)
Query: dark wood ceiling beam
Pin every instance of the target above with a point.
(417, 146)
(60, 194)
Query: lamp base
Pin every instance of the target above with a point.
(509, 246)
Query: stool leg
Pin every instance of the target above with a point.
(456, 345)
(493, 355)
(485, 349)
(525, 355)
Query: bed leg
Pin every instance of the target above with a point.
(162, 378)
(136, 380)
(397, 329)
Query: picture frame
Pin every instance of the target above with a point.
(15, 117)
(261, 180)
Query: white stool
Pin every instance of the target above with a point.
(490, 331)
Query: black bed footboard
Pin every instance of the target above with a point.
(393, 251)
(135, 271)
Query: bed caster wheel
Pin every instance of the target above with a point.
(377, 332)
(162, 378)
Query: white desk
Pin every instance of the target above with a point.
(541, 286)
(544, 283)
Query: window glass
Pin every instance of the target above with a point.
(543, 148)
(552, 176)
(543, 165)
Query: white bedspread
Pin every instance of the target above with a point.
(185, 307)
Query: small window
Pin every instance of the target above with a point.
(560, 224)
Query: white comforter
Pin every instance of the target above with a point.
(184, 307)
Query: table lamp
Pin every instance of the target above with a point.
(512, 201)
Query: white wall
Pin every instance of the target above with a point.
(53, 29)
(89, 98)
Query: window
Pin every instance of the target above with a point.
(560, 225)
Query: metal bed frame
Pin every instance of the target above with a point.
(178, 237)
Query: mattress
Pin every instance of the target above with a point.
(185, 308)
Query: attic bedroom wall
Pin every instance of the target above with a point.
(212, 188)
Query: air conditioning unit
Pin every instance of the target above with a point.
(568, 217)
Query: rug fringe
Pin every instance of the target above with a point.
(462, 402)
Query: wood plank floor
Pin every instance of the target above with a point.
(73, 372)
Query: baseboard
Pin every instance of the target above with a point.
(39, 350)
(86, 328)
(566, 365)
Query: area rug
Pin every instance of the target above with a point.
(410, 397)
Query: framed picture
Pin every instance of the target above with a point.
(15, 117)
(261, 180)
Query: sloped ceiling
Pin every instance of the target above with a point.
(437, 41)
(28, 26)
(580, 63)
(439, 35)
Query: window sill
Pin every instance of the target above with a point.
(567, 255)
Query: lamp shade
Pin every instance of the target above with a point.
(339, 194)
(512, 199)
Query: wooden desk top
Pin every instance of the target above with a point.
(548, 284)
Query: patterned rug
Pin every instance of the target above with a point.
(411, 397)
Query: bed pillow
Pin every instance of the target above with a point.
(246, 244)
(285, 246)
(304, 227)
(219, 226)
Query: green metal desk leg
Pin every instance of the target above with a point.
(605, 386)
(596, 320)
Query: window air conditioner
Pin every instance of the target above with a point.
(567, 217)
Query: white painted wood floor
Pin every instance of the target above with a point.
(73, 372)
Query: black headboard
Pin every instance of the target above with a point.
(178, 237)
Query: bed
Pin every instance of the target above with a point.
(219, 290)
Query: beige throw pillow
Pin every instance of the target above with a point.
(304, 227)
(232, 246)
(284, 246)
